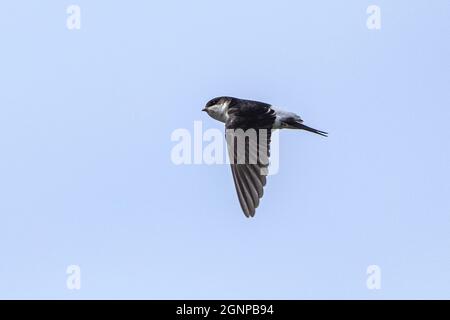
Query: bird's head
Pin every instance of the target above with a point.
(216, 108)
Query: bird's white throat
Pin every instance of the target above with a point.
(219, 111)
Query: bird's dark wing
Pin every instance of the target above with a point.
(250, 159)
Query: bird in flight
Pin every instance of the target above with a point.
(248, 127)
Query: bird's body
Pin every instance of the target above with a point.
(250, 176)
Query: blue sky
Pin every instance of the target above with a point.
(86, 176)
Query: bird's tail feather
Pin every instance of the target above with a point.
(299, 125)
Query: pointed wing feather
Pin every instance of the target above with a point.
(250, 176)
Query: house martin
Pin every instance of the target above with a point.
(248, 128)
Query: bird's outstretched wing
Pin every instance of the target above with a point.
(248, 133)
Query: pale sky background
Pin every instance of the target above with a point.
(85, 170)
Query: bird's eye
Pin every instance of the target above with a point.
(212, 103)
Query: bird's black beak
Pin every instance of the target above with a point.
(204, 109)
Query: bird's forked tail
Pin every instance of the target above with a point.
(299, 125)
